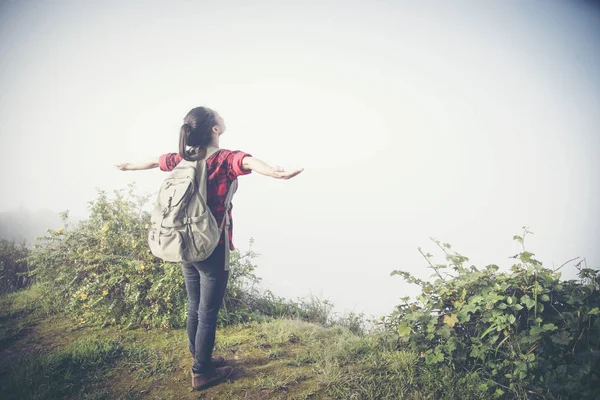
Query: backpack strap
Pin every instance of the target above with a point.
(225, 224)
(210, 151)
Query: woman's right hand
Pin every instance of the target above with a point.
(264, 169)
(280, 173)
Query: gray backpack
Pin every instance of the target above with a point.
(183, 229)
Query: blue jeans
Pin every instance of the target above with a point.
(205, 283)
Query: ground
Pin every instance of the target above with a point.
(55, 356)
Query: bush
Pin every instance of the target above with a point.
(103, 272)
(14, 274)
(530, 332)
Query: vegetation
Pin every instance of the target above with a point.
(101, 271)
(14, 273)
(54, 357)
(528, 331)
(102, 317)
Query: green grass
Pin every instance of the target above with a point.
(59, 373)
(17, 312)
(53, 357)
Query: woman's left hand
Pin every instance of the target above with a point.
(123, 166)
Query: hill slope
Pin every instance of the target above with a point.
(48, 357)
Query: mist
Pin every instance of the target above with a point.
(463, 121)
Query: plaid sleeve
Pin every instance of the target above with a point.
(167, 162)
(234, 164)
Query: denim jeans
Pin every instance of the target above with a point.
(205, 283)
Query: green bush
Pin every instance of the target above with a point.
(527, 330)
(103, 272)
(13, 266)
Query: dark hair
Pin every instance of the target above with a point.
(196, 132)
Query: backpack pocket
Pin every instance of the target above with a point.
(174, 197)
(169, 245)
(175, 190)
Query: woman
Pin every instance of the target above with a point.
(206, 281)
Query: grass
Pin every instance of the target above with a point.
(17, 310)
(66, 371)
(53, 357)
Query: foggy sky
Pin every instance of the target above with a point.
(458, 120)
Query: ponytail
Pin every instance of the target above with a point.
(196, 133)
(194, 153)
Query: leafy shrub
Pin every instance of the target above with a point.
(530, 332)
(102, 271)
(13, 266)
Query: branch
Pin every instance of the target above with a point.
(577, 341)
(572, 259)
(429, 262)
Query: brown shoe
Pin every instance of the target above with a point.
(217, 361)
(202, 381)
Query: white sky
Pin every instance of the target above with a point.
(458, 120)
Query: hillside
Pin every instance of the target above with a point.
(53, 357)
(104, 320)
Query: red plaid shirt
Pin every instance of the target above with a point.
(222, 168)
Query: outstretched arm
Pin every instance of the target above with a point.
(263, 168)
(138, 166)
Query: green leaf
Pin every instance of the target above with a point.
(517, 307)
(450, 347)
(450, 320)
(404, 329)
(526, 256)
(561, 337)
(434, 358)
(488, 330)
(522, 375)
(528, 302)
(463, 316)
(518, 239)
(500, 344)
(544, 297)
(594, 311)
(535, 332)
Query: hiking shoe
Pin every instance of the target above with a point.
(202, 381)
(217, 361)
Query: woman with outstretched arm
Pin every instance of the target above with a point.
(206, 281)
